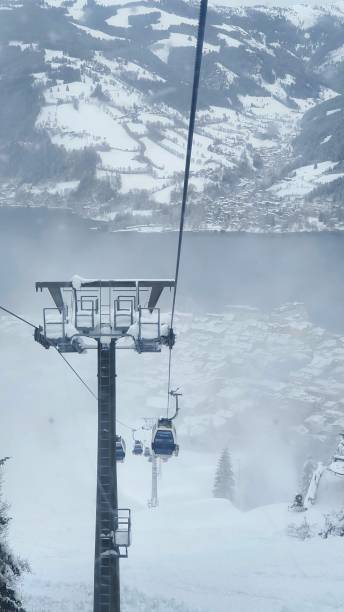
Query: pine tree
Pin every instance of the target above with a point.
(11, 568)
(224, 478)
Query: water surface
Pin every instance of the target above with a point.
(217, 269)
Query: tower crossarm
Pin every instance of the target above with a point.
(154, 286)
(103, 309)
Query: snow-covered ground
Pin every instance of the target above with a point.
(303, 180)
(203, 553)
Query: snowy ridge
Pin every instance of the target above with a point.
(173, 568)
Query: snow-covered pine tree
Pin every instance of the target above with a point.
(11, 567)
(224, 478)
(308, 469)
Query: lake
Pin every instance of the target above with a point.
(216, 269)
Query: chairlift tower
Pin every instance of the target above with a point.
(153, 502)
(106, 315)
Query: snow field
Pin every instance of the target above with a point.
(150, 118)
(203, 552)
(261, 106)
(163, 196)
(51, 55)
(160, 158)
(165, 19)
(76, 11)
(139, 129)
(90, 121)
(217, 558)
(305, 179)
(121, 19)
(333, 112)
(335, 57)
(67, 93)
(117, 66)
(163, 47)
(164, 22)
(138, 181)
(229, 40)
(120, 160)
(63, 187)
(22, 46)
(229, 74)
(231, 28)
(177, 547)
(95, 33)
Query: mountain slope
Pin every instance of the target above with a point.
(95, 99)
(259, 567)
(270, 385)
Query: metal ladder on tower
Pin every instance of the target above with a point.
(107, 569)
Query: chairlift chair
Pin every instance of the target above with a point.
(138, 448)
(120, 449)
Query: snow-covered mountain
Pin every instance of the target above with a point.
(94, 103)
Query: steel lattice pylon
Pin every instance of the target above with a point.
(154, 498)
(106, 561)
(107, 315)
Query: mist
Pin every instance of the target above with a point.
(231, 285)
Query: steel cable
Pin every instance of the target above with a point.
(194, 98)
(83, 382)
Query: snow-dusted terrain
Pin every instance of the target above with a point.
(193, 553)
(108, 88)
(267, 384)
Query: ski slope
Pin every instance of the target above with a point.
(201, 552)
